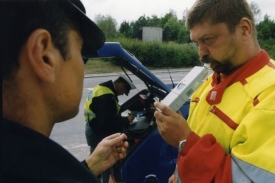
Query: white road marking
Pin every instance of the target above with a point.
(75, 146)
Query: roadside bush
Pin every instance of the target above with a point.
(269, 46)
(157, 54)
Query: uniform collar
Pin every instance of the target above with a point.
(215, 94)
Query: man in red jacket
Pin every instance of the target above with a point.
(229, 135)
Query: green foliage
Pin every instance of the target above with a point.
(183, 36)
(269, 46)
(107, 24)
(266, 35)
(174, 29)
(166, 17)
(266, 29)
(156, 54)
(154, 21)
(126, 30)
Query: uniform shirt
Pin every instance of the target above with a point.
(108, 119)
(28, 156)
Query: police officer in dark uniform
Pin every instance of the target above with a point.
(102, 113)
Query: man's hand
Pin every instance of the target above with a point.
(172, 179)
(171, 125)
(107, 153)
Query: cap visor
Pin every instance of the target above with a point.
(93, 37)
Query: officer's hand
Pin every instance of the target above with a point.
(107, 153)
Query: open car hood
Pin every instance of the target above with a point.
(127, 60)
(148, 154)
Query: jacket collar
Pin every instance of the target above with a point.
(110, 85)
(215, 94)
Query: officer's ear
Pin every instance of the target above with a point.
(40, 54)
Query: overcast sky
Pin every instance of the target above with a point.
(131, 10)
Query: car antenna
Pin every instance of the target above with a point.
(126, 73)
(171, 77)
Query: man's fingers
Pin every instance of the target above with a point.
(116, 138)
(120, 149)
(162, 108)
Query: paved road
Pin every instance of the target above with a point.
(70, 134)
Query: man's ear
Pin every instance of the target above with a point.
(246, 29)
(41, 55)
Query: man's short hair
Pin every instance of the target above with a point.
(229, 12)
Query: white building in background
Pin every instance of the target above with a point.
(152, 34)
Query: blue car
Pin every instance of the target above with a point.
(149, 159)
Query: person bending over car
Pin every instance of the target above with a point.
(102, 113)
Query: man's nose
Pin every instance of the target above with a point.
(202, 51)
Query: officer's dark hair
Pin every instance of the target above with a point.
(19, 18)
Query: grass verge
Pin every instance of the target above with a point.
(97, 66)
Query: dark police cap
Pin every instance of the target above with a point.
(93, 37)
(15, 14)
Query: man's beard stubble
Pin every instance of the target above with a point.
(224, 67)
